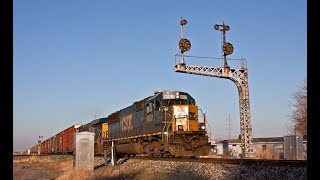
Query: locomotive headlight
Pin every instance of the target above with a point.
(177, 95)
(203, 127)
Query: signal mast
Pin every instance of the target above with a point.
(238, 75)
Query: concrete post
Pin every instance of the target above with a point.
(84, 150)
(105, 157)
(293, 147)
(39, 149)
(112, 154)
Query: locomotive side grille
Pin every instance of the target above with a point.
(113, 118)
(139, 105)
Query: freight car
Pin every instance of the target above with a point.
(61, 143)
(33, 149)
(165, 124)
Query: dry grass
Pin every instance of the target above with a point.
(107, 172)
(60, 168)
(33, 159)
(76, 173)
(66, 165)
(40, 167)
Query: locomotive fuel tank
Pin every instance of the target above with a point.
(128, 148)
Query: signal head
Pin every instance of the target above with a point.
(227, 48)
(184, 45)
(183, 22)
(216, 27)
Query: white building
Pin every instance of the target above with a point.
(232, 148)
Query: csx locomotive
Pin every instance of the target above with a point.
(165, 124)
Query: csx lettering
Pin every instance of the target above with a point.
(192, 116)
(126, 122)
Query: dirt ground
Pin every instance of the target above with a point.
(60, 167)
(50, 167)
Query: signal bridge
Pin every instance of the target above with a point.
(238, 75)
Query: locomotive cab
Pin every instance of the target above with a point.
(184, 112)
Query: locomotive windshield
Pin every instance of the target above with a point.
(178, 101)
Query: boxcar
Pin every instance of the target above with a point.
(34, 149)
(67, 139)
(51, 147)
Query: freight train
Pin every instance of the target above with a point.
(61, 143)
(165, 124)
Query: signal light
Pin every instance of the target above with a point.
(227, 48)
(216, 27)
(184, 45)
(183, 22)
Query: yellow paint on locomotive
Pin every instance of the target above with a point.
(193, 118)
(105, 128)
(185, 118)
(131, 137)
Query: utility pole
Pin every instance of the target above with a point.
(39, 144)
(229, 127)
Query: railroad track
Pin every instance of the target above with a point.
(25, 156)
(257, 162)
(30, 155)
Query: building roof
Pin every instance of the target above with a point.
(257, 140)
(268, 139)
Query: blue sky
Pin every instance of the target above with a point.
(76, 59)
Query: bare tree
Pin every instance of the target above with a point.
(298, 116)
